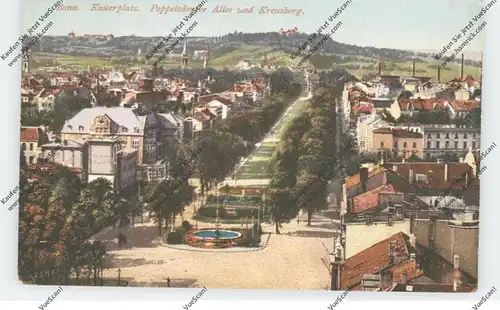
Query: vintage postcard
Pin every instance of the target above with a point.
(327, 145)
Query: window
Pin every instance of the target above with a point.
(414, 145)
(473, 145)
(437, 145)
(428, 144)
(80, 128)
(447, 135)
(135, 144)
(70, 127)
(456, 144)
(456, 136)
(395, 144)
(381, 144)
(465, 144)
(473, 136)
(446, 145)
(465, 136)
(31, 146)
(136, 130)
(428, 136)
(438, 135)
(31, 159)
(24, 147)
(405, 145)
(124, 129)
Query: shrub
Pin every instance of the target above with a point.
(186, 226)
(175, 237)
(212, 212)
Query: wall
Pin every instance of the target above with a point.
(409, 146)
(451, 240)
(385, 138)
(360, 236)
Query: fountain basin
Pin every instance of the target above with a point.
(213, 239)
(212, 234)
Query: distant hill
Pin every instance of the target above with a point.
(226, 51)
(130, 45)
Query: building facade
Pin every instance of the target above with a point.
(439, 140)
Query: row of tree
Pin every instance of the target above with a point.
(305, 159)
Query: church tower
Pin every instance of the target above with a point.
(207, 56)
(184, 57)
(26, 64)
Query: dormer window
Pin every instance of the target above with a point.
(70, 127)
(80, 128)
(136, 130)
(124, 129)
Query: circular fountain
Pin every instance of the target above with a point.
(214, 238)
(211, 234)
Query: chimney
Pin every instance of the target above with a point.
(462, 68)
(439, 74)
(411, 176)
(446, 172)
(363, 177)
(392, 252)
(413, 240)
(456, 262)
(413, 69)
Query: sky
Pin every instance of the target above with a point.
(402, 24)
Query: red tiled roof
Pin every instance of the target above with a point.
(370, 199)
(399, 133)
(361, 108)
(432, 104)
(208, 113)
(409, 267)
(200, 116)
(435, 173)
(383, 130)
(403, 133)
(355, 179)
(372, 260)
(29, 134)
(464, 105)
(207, 98)
(39, 170)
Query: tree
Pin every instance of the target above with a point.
(281, 206)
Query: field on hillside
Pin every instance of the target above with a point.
(229, 57)
(359, 66)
